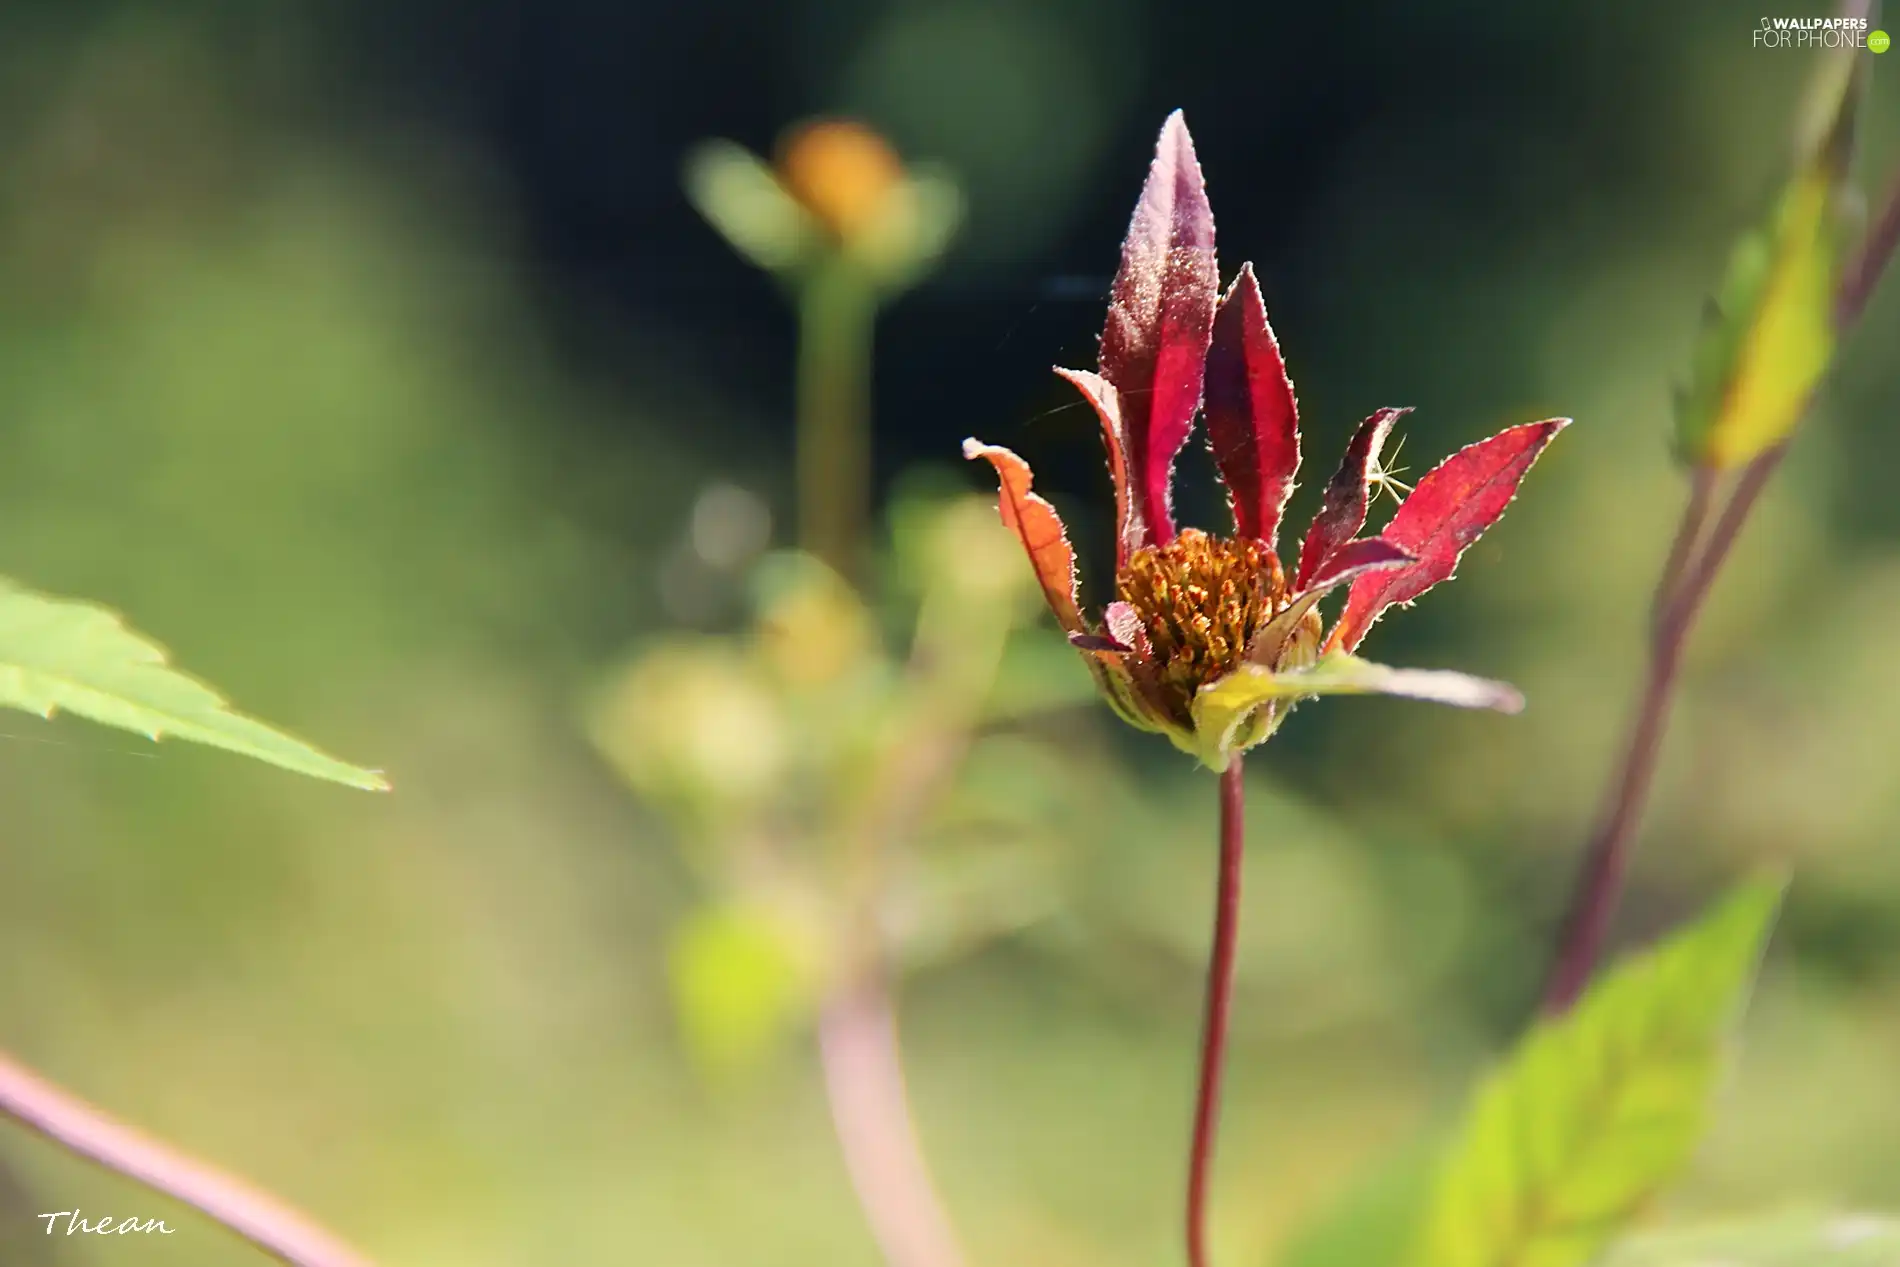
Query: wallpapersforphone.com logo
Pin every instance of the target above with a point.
(1806, 33)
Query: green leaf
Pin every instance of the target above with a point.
(1769, 335)
(1596, 1110)
(1223, 709)
(1371, 1224)
(1786, 1240)
(57, 654)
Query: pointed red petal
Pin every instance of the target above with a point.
(1342, 511)
(1450, 509)
(1154, 347)
(1253, 422)
(1130, 533)
(1356, 557)
(1352, 561)
(1034, 521)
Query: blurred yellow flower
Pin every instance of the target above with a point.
(837, 194)
(842, 172)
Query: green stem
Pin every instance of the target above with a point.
(837, 306)
(858, 1044)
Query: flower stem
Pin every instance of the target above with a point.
(857, 1027)
(836, 308)
(1864, 269)
(1686, 580)
(1685, 584)
(864, 1080)
(259, 1218)
(1695, 517)
(1697, 581)
(1220, 990)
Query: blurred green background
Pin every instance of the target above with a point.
(371, 358)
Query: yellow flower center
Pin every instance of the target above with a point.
(1202, 600)
(842, 172)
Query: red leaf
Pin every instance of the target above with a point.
(1253, 421)
(1450, 509)
(1160, 318)
(1036, 523)
(1130, 533)
(1342, 511)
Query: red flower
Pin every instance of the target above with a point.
(1210, 641)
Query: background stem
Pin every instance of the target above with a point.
(1600, 883)
(1687, 578)
(857, 1026)
(1864, 269)
(1696, 582)
(1685, 584)
(836, 311)
(259, 1218)
(857, 1038)
(1695, 517)
(1220, 989)
(864, 1079)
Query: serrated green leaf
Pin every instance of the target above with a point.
(1596, 1110)
(1786, 1240)
(1769, 335)
(58, 654)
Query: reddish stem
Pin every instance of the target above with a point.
(1695, 516)
(258, 1217)
(1606, 858)
(1220, 991)
(1686, 583)
(1697, 581)
(864, 1079)
(1863, 271)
